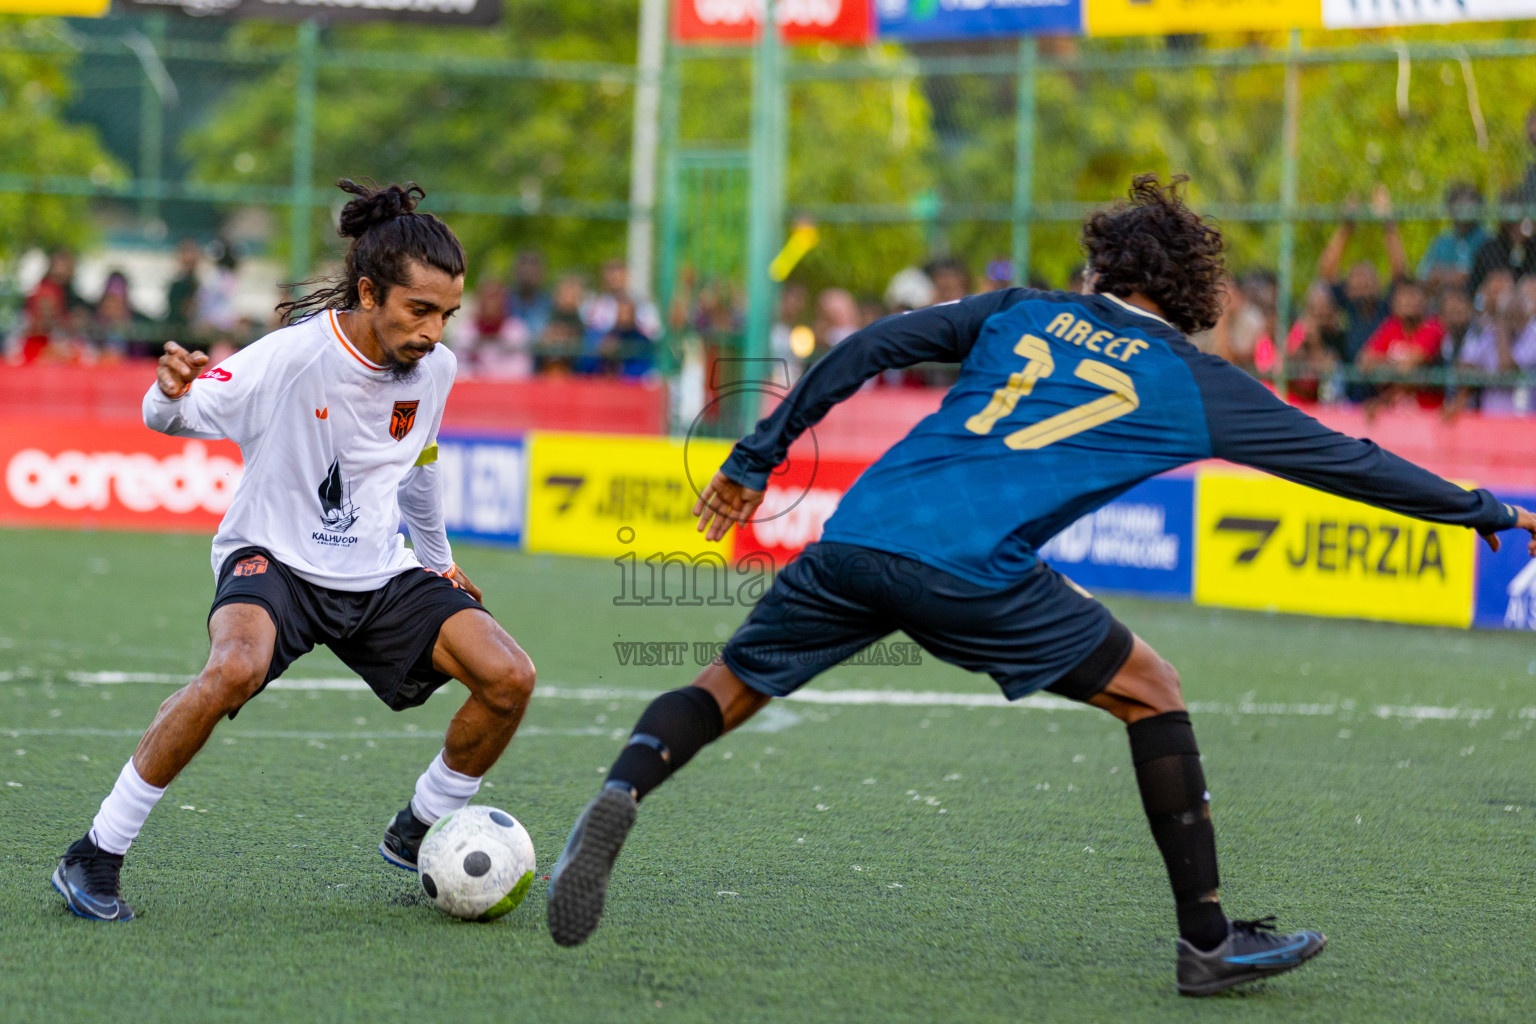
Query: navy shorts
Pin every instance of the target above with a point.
(1041, 633)
(385, 635)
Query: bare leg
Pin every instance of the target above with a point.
(1146, 685)
(241, 638)
(477, 652)
(738, 701)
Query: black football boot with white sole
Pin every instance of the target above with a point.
(402, 839)
(87, 878)
(1252, 950)
(578, 884)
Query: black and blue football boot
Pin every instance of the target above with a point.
(1251, 950)
(402, 839)
(87, 878)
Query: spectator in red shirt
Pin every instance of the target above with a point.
(1407, 340)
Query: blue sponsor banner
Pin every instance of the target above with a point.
(916, 20)
(485, 480)
(1140, 543)
(1505, 591)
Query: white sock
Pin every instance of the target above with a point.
(123, 812)
(441, 790)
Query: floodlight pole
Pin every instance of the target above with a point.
(650, 62)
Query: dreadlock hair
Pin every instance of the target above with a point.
(1153, 244)
(387, 234)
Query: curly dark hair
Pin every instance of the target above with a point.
(387, 234)
(1153, 244)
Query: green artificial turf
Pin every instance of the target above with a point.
(840, 862)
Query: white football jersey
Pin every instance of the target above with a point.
(329, 440)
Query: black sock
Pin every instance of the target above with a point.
(1179, 811)
(669, 733)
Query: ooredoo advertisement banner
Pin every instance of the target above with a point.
(799, 499)
(736, 21)
(78, 473)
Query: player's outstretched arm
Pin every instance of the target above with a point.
(1250, 426)
(942, 334)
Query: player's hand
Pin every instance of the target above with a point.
(457, 575)
(1524, 520)
(178, 369)
(724, 502)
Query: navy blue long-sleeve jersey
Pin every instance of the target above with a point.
(1065, 401)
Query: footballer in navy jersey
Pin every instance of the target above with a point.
(1063, 402)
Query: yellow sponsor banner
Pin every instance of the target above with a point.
(1162, 17)
(1264, 543)
(58, 8)
(596, 494)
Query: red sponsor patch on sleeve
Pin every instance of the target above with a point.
(217, 373)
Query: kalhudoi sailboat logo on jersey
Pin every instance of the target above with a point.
(337, 513)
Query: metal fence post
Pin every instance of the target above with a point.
(765, 189)
(1285, 277)
(151, 119)
(303, 149)
(666, 222)
(1023, 157)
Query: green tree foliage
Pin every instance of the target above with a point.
(35, 140)
(896, 169)
(540, 140)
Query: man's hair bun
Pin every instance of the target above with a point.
(375, 205)
(388, 238)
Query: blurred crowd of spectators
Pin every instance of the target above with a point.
(506, 330)
(60, 326)
(1454, 332)
(516, 329)
(1449, 333)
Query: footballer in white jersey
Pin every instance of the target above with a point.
(336, 416)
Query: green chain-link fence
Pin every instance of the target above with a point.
(989, 152)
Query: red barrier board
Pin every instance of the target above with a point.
(735, 21)
(61, 472)
(796, 505)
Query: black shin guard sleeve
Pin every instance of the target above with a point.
(1173, 793)
(672, 729)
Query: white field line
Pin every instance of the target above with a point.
(289, 734)
(900, 698)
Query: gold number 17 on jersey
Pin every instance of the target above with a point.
(1120, 400)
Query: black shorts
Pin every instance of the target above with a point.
(1043, 632)
(385, 635)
